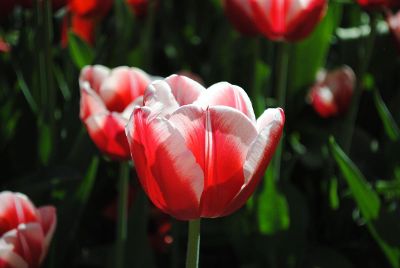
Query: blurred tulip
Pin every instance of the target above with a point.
(240, 15)
(138, 7)
(107, 100)
(83, 17)
(4, 46)
(331, 94)
(182, 138)
(393, 20)
(287, 20)
(25, 232)
(378, 3)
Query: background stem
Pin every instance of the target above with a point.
(192, 256)
(122, 214)
(365, 59)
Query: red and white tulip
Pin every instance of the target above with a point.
(197, 152)
(287, 20)
(107, 100)
(25, 231)
(332, 93)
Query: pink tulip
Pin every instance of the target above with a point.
(240, 15)
(107, 100)
(25, 231)
(331, 94)
(197, 152)
(287, 20)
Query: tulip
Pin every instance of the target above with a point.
(197, 152)
(4, 46)
(287, 20)
(332, 93)
(83, 17)
(138, 7)
(107, 100)
(25, 231)
(240, 14)
(370, 4)
(393, 20)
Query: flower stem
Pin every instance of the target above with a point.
(281, 86)
(122, 214)
(362, 69)
(192, 255)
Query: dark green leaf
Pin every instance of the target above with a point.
(333, 193)
(365, 197)
(273, 210)
(80, 52)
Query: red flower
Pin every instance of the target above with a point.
(107, 100)
(197, 152)
(240, 15)
(138, 7)
(378, 3)
(83, 17)
(289, 20)
(25, 232)
(393, 21)
(331, 95)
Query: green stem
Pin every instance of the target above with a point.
(122, 215)
(281, 87)
(192, 256)
(362, 69)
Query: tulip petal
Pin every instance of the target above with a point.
(15, 208)
(90, 102)
(123, 86)
(226, 94)
(129, 109)
(158, 96)
(8, 258)
(212, 135)
(184, 89)
(95, 75)
(178, 177)
(48, 220)
(107, 130)
(31, 239)
(270, 126)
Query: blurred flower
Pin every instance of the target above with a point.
(25, 232)
(240, 15)
(4, 46)
(180, 141)
(331, 94)
(107, 100)
(83, 17)
(138, 7)
(378, 3)
(287, 20)
(393, 21)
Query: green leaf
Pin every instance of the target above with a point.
(273, 209)
(391, 128)
(365, 197)
(309, 56)
(81, 53)
(45, 143)
(333, 193)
